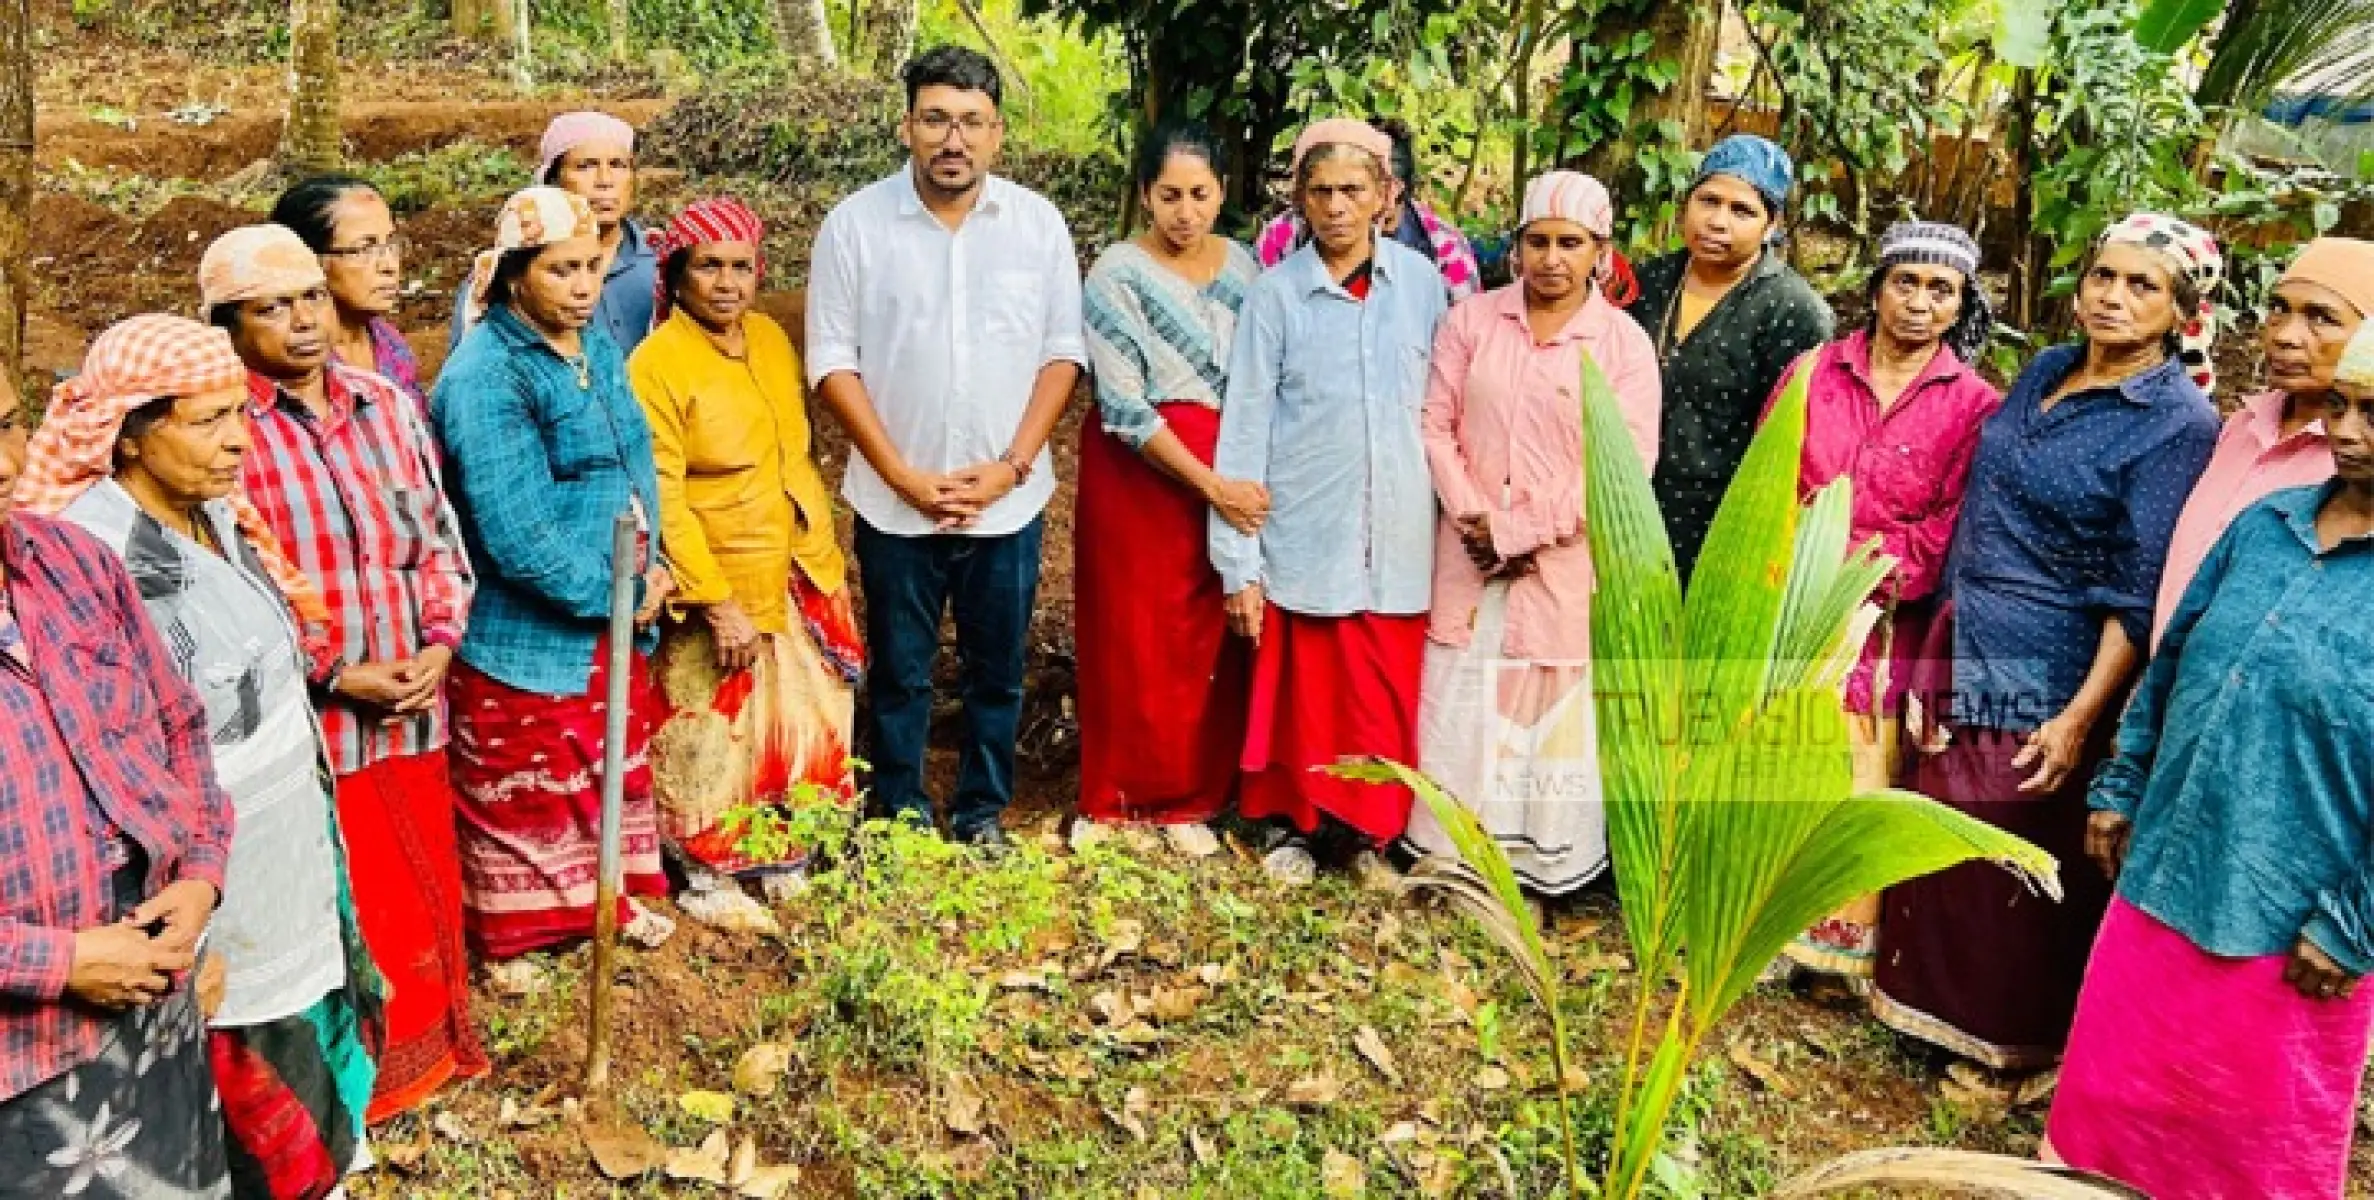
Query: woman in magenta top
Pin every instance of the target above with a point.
(1895, 408)
(1505, 711)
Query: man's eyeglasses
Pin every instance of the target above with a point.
(935, 125)
(397, 245)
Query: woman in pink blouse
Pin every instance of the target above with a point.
(1895, 408)
(1505, 713)
(2276, 439)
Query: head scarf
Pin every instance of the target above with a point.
(2357, 362)
(1936, 244)
(1574, 196)
(532, 218)
(2345, 265)
(256, 262)
(722, 219)
(134, 362)
(1344, 131)
(2195, 253)
(571, 130)
(1756, 162)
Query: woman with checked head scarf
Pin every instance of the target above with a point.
(2048, 590)
(143, 450)
(760, 657)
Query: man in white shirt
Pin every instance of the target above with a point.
(944, 333)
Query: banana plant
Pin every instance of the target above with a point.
(1732, 817)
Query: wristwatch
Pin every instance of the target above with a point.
(1021, 467)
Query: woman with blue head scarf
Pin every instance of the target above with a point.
(1728, 316)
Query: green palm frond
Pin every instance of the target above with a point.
(1638, 604)
(1723, 758)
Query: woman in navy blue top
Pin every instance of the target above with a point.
(2073, 495)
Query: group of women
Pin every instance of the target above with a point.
(1332, 506)
(379, 623)
(1391, 494)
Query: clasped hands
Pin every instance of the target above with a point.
(132, 961)
(958, 498)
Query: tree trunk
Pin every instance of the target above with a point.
(470, 19)
(309, 139)
(16, 180)
(893, 24)
(804, 33)
(1685, 33)
(515, 26)
(620, 25)
(501, 16)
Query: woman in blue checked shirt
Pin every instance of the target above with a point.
(545, 446)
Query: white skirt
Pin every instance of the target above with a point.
(1517, 742)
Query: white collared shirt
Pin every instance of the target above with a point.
(948, 331)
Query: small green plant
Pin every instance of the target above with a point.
(1730, 807)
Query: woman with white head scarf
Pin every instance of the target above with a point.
(1508, 651)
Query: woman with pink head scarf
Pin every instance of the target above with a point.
(592, 155)
(1509, 636)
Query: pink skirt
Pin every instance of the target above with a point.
(2196, 1077)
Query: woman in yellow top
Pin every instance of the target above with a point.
(761, 657)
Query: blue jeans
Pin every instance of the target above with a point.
(992, 583)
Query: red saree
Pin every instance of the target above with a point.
(1161, 680)
(398, 818)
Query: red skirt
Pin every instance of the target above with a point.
(1324, 689)
(1161, 680)
(397, 816)
(528, 770)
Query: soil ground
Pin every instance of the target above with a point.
(129, 197)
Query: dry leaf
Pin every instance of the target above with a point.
(1969, 1084)
(2036, 1089)
(1372, 1047)
(1744, 1057)
(1128, 934)
(404, 1156)
(1492, 1079)
(1340, 1175)
(743, 1164)
(622, 1151)
(1173, 1005)
(964, 1107)
(1135, 1104)
(705, 1162)
(1438, 1175)
(1203, 1149)
(1110, 1006)
(1403, 977)
(454, 1129)
(1405, 1131)
(760, 1069)
(1034, 979)
(1317, 1090)
(1575, 1081)
(770, 1183)
(1463, 997)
